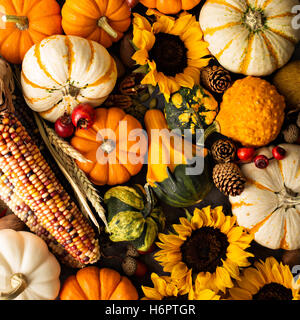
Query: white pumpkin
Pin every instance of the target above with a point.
(252, 37)
(28, 271)
(62, 71)
(269, 206)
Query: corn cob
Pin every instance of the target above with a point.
(34, 182)
(24, 213)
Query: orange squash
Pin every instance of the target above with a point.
(25, 23)
(170, 6)
(110, 147)
(92, 283)
(104, 21)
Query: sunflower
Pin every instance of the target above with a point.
(170, 49)
(267, 280)
(210, 245)
(166, 288)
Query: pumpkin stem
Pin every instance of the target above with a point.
(150, 200)
(214, 127)
(18, 283)
(21, 22)
(103, 23)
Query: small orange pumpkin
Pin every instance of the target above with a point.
(104, 21)
(26, 22)
(170, 6)
(110, 147)
(92, 283)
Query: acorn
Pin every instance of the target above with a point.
(132, 251)
(127, 51)
(291, 133)
(133, 267)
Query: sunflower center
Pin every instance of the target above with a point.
(204, 249)
(273, 291)
(169, 54)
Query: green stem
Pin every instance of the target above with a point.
(103, 23)
(150, 201)
(18, 284)
(21, 22)
(214, 127)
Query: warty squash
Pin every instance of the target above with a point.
(104, 21)
(133, 215)
(170, 6)
(269, 206)
(28, 270)
(249, 36)
(24, 23)
(63, 71)
(170, 159)
(92, 283)
(110, 147)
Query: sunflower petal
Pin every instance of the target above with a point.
(240, 294)
(151, 293)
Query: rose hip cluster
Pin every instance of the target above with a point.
(260, 161)
(82, 117)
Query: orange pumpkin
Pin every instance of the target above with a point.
(25, 23)
(170, 6)
(104, 21)
(92, 283)
(110, 147)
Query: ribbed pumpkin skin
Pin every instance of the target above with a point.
(170, 6)
(92, 283)
(63, 71)
(171, 182)
(80, 18)
(191, 109)
(126, 218)
(44, 20)
(248, 36)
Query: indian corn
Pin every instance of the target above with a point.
(36, 185)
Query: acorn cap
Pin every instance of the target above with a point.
(129, 266)
(132, 251)
(291, 133)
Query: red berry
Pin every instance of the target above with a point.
(261, 161)
(278, 153)
(83, 116)
(141, 269)
(151, 249)
(246, 154)
(63, 126)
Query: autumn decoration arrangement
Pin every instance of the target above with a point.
(123, 124)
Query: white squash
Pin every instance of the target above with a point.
(62, 71)
(269, 206)
(252, 37)
(28, 271)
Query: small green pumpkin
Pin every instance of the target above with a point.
(191, 109)
(133, 215)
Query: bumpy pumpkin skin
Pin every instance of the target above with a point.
(191, 109)
(92, 283)
(171, 182)
(44, 20)
(269, 206)
(80, 18)
(170, 6)
(104, 171)
(127, 220)
(252, 112)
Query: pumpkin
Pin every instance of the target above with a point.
(25, 23)
(28, 270)
(191, 109)
(63, 71)
(92, 283)
(176, 178)
(104, 21)
(252, 112)
(248, 36)
(110, 146)
(170, 6)
(133, 215)
(269, 206)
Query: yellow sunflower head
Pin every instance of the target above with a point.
(210, 245)
(171, 49)
(267, 280)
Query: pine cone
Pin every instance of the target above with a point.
(223, 151)
(229, 179)
(215, 78)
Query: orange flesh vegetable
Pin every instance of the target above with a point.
(170, 6)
